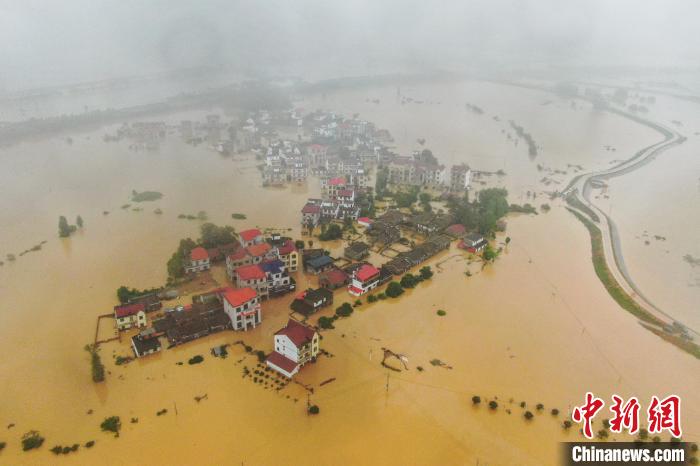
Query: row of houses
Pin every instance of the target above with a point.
(426, 172)
(420, 253)
(212, 312)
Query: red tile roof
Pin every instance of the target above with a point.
(199, 253)
(366, 272)
(248, 235)
(335, 276)
(128, 310)
(238, 296)
(336, 181)
(239, 254)
(456, 229)
(282, 362)
(297, 332)
(355, 289)
(311, 209)
(364, 220)
(287, 248)
(250, 272)
(257, 250)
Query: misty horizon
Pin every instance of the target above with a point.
(51, 44)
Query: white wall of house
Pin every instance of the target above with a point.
(134, 320)
(240, 321)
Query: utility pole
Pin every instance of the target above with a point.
(386, 398)
(308, 403)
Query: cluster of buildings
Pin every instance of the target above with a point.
(258, 268)
(341, 201)
(418, 170)
(284, 162)
(340, 152)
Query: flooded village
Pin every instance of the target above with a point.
(273, 269)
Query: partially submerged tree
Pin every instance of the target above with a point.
(98, 369)
(112, 424)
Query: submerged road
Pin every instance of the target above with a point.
(581, 186)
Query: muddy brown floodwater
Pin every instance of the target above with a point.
(537, 326)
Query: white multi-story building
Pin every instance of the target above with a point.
(295, 345)
(460, 177)
(199, 260)
(242, 306)
(130, 315)
(365, 279)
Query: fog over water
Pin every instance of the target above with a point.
(48, 43)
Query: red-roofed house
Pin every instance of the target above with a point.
(238, 258)
(345, 197)
(365, 221)
(199, 260)
(242, 306)
(130, 315)
(365, 279)
(250, 237)
(261, 252)
(334, 185)
(311, 214)
(252, 276)
(295, 345)
(289, 255)
(456, 230)
(333, 279)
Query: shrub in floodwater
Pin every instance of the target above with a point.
(195, 360)
(248, 348)
(161, 412)
(656, 439)
(31, 440)
(344, 310)
(441, 313)
(313, 409)
(528, 415)
(522, 404)
(566, 424)
(66, 450)
(540, 406)
(643, 434)
(325, 322)
(89, 444)
(261, 355)
(602, 434)
(476, 399)
(57, 450)
(394, 289)
(493, 405)
(111, 424)
(555, 412)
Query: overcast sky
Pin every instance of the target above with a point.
(55, 42)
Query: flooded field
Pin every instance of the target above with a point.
(537, 326)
